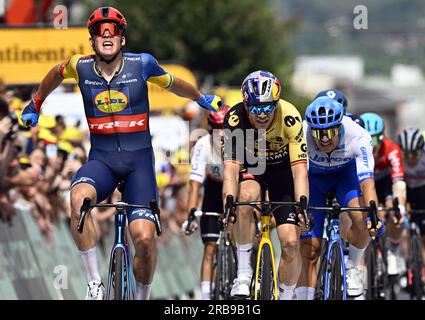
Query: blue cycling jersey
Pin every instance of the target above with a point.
(117, 112)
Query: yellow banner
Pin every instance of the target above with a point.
(160, 99)
(26, 55)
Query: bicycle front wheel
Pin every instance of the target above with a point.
(232, 268)
(320, 290)
(372, 283)
(265, 275)
(118, 284)
(334, 274)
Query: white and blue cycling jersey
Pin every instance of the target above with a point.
(355, 146)
(342, 171)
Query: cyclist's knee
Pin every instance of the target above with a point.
(78, 193)
(248, 194)
(310, 249)
(209, 251)
(290, 247)
(144, 242)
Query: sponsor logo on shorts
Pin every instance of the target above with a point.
(291, 217)
(83, 180)
(143, 214)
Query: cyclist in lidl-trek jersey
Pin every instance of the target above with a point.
(114, 89)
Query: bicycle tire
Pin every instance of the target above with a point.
(216, 275)
(320, 290)
(372, 281)
(265, 278)
(416, 255)
(232, 268)
(118, 277)
(335, 274)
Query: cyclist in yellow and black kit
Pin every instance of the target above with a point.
(264, 145)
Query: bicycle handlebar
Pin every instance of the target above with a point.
(336, 209)
(394, 208)
(302, 204)
(86, 207)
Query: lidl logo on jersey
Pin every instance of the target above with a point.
(111, 101)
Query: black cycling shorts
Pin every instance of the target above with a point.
(280, 185)
(212, 202)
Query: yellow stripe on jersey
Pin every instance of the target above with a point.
(68, 69)
(164, 81)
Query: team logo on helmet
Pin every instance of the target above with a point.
(331, 94)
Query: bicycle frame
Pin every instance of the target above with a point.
(127, 276)
(334, 239)
(266, 208)
(265, 240)
(120, 242)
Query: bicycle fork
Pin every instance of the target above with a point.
(265, 240)
(127, 277)
(335, 239)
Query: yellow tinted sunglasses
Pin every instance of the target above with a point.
(329, 133)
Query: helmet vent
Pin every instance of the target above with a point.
(264, 87)
(105, 12)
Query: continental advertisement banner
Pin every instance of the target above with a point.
(27, 54)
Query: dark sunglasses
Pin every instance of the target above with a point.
(100, 29)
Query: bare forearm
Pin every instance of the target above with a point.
(399, 191)
(230, 181)
(185, 89)
(300, 175)
(194, 187)
(49, 83)
(369, 191)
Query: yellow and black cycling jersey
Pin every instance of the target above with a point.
(282, 143)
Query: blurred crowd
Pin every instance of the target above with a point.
(37, 166)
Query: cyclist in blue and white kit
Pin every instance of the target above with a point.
(340, 159)
(340, 97)
(114, 89)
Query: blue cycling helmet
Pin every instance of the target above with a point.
(324, 113)
(336, 95)
(260, 87)
(374, 124)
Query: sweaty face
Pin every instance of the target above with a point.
(107, 40)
